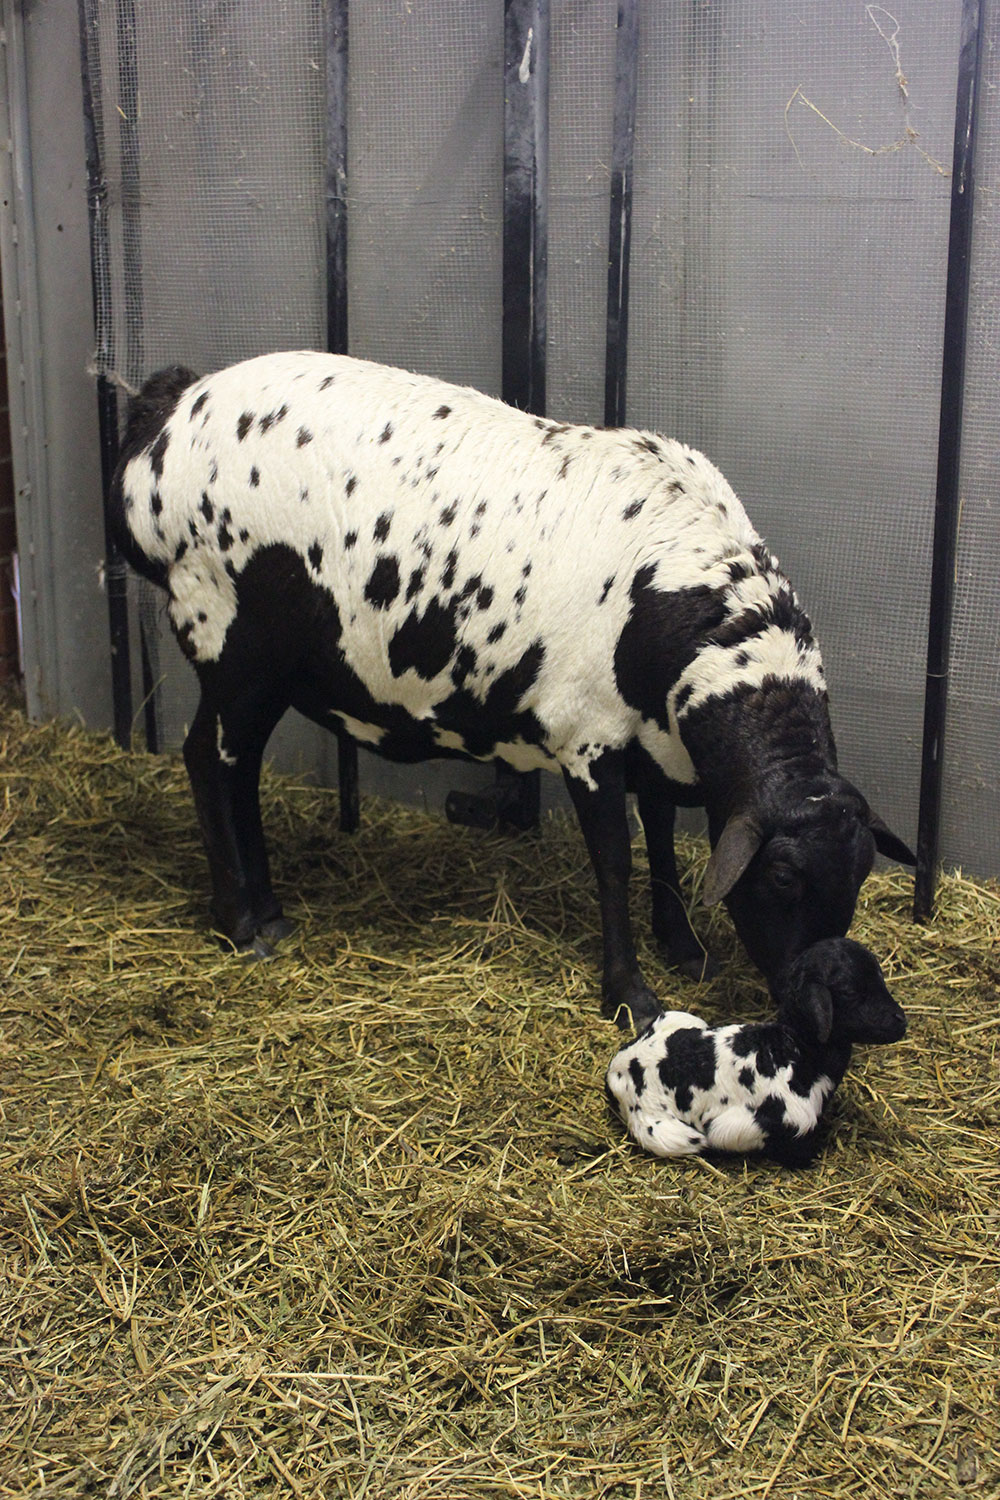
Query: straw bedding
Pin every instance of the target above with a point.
(355, 1221)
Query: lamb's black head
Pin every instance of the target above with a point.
(834, 992)
(790, 868)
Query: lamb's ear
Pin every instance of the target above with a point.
(814, 1012)
(887, 843)
(738, 843)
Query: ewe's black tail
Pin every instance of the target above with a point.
(147, 414)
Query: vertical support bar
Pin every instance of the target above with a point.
(107, 402)
(336, 176)
(947, 500)
(128, 131)
(525, 202)
(525, 269)
(620, 229)
(336, 20)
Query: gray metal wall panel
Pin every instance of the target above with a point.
(971, 815)
(786, 313)
(787, 305)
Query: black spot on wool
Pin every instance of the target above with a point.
(157, 452)
(496, 633)
(386, 433)
(156, 503)
(316, 556)
(660, 638)
(244, 425)
(326, 382)
(302, 437)
(483, 723)
(351, 485)
(424, 643)
(381, 528)
(631, 511)
(606, 589)
(637, 1073)
(688, 1063)
(225, 538)
(450, 567)
(383, 582)
(197, 405)
(207, 508)
(465, 665)
(746, 1078)
(447, 515)
(350, 537)
(415, 584)
(443, 411)
(254, 477)
(759, 1040)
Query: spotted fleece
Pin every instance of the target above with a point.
(461, 538)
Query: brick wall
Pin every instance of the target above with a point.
(9, 663)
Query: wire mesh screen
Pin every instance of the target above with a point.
(425, 132)
(791, 198)
(971, 821)
(789, 254)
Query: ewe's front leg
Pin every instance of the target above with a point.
(604, 821)
(671, 928)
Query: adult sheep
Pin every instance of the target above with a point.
(443, 574)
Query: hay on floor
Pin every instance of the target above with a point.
(356, 1222)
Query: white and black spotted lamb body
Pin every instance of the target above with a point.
(683, 1087)
(443, 574)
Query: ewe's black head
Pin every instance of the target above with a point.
(834, 992)
(790, 871)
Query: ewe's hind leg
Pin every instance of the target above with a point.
(671, 927)
(223, 754)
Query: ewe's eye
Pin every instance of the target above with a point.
(782, 877)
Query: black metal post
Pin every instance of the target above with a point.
(514, 803)
(107, 401)
(525, 202)
(336, 176)
(335, 15)
(128, 131)
(620, 230)
(947, 501)
(525, 273)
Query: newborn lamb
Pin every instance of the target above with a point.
(683, 1087)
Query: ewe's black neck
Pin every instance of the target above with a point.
(756, 740)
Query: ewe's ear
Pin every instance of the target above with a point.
(888, 844)
(814, 1010)
(738, 843)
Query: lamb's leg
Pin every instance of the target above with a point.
(604, 821)
(671, 926)
(666, 1135)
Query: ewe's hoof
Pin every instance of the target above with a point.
(632, 1014)
(703, 967)
(275, 929)
(255, 949)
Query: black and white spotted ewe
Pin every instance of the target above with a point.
(683, 1087)
(443, 574)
